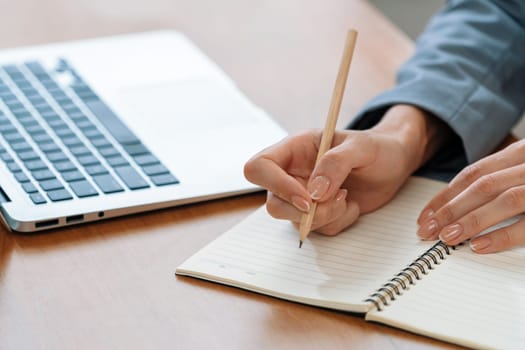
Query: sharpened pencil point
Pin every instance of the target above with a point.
(300, 243)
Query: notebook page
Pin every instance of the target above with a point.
(261, 254)
(470, 299)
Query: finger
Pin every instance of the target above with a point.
(508, 157)
(280, 209)
(335, 165)
(481, 191)
(267, 170)
(506, 205)
(501, 239)
(348, 217)
(329, 211)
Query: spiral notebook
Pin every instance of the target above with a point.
(379, 268)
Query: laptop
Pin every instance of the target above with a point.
(100, 128)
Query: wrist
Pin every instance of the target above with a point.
(419, 134)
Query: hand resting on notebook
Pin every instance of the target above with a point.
(482, 195)
(361, 172)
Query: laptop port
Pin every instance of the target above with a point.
(46, 223)
(74, 218)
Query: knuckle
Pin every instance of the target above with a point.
(470, 174)
(474, 222)
(485, 185)
(446, 214)
(505, 238)
(334, 159)
(514, 198)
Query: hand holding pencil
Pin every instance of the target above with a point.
(361, 171)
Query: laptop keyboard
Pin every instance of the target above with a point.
(61, 141)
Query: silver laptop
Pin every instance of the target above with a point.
(101, 128)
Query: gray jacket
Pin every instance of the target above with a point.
(469, 71)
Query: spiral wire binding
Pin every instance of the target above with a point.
(409, 275)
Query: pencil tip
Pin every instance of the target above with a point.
(300, 244)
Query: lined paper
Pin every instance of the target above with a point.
(470, 299)
(261, 254)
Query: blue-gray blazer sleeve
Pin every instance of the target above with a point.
(468, 70)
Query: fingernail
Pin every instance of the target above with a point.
(425, 215)
(428, 229)
(301, 204)
(450, 233)
(341, 195)
(480, 244)
(318, 187)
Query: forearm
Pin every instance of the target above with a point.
(468, 70)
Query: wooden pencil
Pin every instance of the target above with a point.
(331, 121)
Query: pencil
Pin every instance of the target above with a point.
(331, 121)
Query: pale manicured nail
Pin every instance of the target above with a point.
(341, 195)
(428, 229)
(450, 233)
(480, 244)
(318, 187)
(426, 214)
(301, 204)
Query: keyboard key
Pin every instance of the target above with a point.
(156, 169)
(101, 142)
(111, 121)
(57, 157)
(59, 195)
(35, 129)
(85, 124)
(7, 128)
(44, 109)
(28, 155)
(92, 133)
(37, 198)
(57, 124)
(35, 165)
(88, 160)
(64, 132)
(40, 175)
(49, 147)
(117, 161)
(14, 137)
(80, 151)
(107, 183)
(72, 175)
(6, 157)
(53, 184)
(96, 169)
(131, 177)
(64, 166)
(42, 138)
(83, 188)
(21, 146)
(72, 141)
(136, 149)
(165, 179)
(109, 152)
(13, 167)
(21, 177)
(36, 68)
(29, 187)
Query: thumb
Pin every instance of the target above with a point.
(332, 169)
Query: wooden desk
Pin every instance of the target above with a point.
(111, 285)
